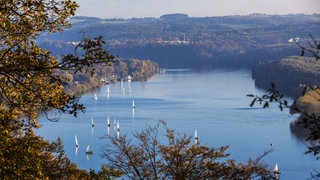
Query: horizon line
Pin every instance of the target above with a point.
(251, 14)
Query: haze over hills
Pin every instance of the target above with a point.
(180, 41)
(194, 8)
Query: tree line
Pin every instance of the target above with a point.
(138, 70)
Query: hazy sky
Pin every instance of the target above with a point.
(194, 8)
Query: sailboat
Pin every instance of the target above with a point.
(76, 139)
(118, 130)
(196, 138)
(108, 122)
(115, 124)
(133, 106)
(95, 97)
(276, 169)
(108, 126)
(88, 150)
(92, 124)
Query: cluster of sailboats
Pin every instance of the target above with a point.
(116, 125)
(123, 90)
(88, 150)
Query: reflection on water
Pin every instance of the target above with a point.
(301, 133)
(298, 130)
(212, 106)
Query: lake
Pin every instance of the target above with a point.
(214, 103)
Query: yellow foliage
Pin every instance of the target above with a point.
(30, 85)
(310, 102)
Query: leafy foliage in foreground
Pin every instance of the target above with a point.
(30, 79)
(31, 83)
(24, 155)
(308, 104)
(177, 158)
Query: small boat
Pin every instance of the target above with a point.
(88, 150)
(276, 169)
(92, 124)
(196, 138)
(133, 106)
(95, 97)
(115, 124)
(129, 78)
(108, 129)
(108, 122)
(276, 172)
(118, 130)
(76, 139)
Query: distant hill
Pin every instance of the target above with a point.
(177, 16)
(289, 74)
(180, 41)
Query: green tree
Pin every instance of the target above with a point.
(32, 82)
(177, 158)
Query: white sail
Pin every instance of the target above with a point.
(118, 130)
(276, 172)
(133, 106)
(92, 123)
(95, 97)
(108, 126)
(276, 169)
(114, 124)
(196, 138)
(88, 150)
(76, 139)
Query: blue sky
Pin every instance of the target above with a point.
(194, 8)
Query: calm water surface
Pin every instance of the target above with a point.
(214, 103)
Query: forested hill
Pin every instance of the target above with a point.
(180, 41)
(123, 69)
(289, 74)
